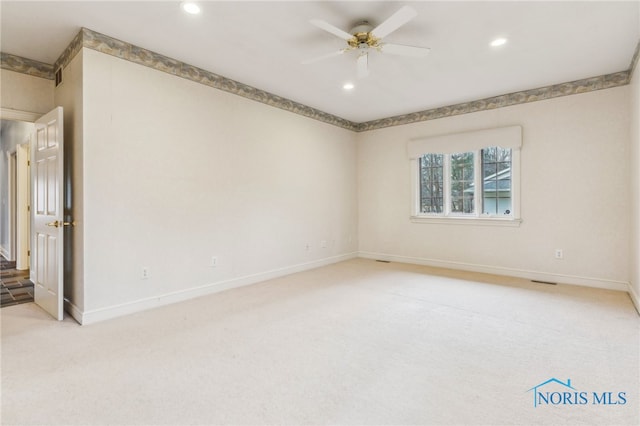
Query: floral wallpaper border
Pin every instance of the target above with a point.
(120, 49)
(108, 45)
(26, 66)
(523, 97)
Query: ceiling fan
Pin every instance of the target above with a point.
(364, 38)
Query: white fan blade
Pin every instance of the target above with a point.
(363, 65)
(331, 29)
(323, 57)
(401, 49)
(395, 21)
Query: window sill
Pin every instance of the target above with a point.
(461, 220)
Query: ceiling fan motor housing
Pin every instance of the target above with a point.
(362, 37)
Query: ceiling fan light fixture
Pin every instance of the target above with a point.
(348, 86)
(498, 42)
(190, 7)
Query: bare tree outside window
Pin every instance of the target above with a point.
(431, 183)
(462, 188)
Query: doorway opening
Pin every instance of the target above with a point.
(15, 222)
(47, 197)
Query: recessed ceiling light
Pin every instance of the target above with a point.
(190, 7)
(498, 42)
(348, 86)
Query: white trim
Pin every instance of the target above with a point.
(73, 310)
(634, 298)
(465, 220)
(17, 115)
(12, 165)
(415, 186)
(23, 201)
(101, 314)
(499, 270)
(446, 186)
(515, 184)
(478, 196)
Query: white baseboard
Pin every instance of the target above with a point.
(498, 270)
(73, 310)
(634, 298)
(96, 315)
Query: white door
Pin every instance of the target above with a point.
(47, 206)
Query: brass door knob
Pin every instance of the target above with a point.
(58, 223)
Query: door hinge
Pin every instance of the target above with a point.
(28, 208)
(28, 252)
(28, 163)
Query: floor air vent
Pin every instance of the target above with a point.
(543, 282)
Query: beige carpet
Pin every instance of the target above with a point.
(359, 342)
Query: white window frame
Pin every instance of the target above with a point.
(508, 138)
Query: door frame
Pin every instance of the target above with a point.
(23, 205)
(12, 188)
(17, 115)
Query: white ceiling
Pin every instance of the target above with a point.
(263, 43)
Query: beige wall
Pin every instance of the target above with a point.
(175, 172)
(68, 95)
(575, 174)
(23, 92)
(634, 157)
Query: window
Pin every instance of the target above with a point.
(494, 195)
(456, 184)
(496, 181)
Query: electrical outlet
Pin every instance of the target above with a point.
(323, 244)
(214, 261)
(146, 273)
(559, 254)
